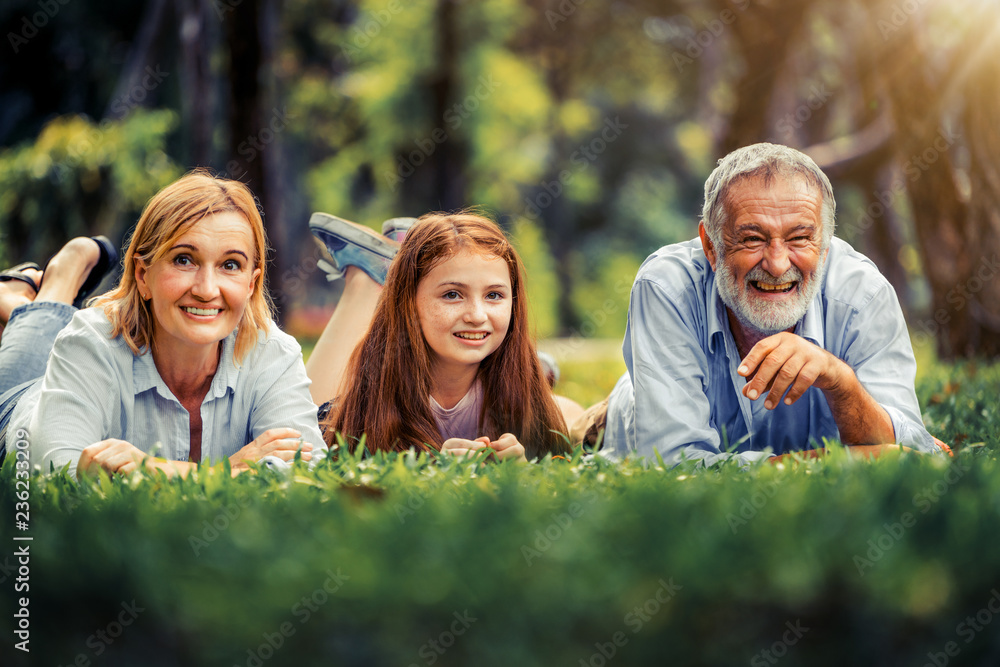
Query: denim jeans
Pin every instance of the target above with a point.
(24, 352)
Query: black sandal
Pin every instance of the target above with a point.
(107, 260)
(17, 273)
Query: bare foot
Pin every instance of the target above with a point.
(68, 269)
(14, 293)
(570, 409)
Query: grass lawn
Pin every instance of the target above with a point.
(405, 561)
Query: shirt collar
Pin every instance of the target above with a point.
(146, 376)
(227, 372)
(810, 326)
(718, 318)
(144, 373)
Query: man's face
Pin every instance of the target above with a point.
(771, 261)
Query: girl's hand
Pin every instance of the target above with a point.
(112, 456)
(507, 447)
(280, 442)
(504, 447)
(463, 447)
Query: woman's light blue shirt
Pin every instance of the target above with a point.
(95, 388)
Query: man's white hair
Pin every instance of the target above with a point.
(766, 162)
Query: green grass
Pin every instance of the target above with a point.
(384, 561)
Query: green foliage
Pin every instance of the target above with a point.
(960, 402)
(598, 121)
(589, 369)
(81, 178)
(603, 298)
(541, 280)
(403, 108)
(386, 560)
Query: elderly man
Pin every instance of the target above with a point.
(765, 332)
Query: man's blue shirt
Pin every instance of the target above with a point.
(681, 393)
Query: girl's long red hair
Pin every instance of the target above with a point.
(388, 382)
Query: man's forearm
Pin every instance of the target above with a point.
(860, 418)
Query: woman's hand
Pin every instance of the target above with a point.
(280, 442)
(112, 456)
(123, 458)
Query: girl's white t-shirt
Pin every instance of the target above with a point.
(461, 421)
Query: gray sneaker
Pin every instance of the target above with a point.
(351, 244)
(396, 228)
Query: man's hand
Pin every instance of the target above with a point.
(280, 442)
(785, 361)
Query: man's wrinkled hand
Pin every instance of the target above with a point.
(788, 363)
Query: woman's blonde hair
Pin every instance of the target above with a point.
(169, 215)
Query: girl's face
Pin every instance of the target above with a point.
(464, 305)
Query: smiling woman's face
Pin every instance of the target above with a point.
(464, 304)
(198, 290)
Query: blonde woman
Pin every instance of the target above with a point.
(178, 364)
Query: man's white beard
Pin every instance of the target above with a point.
(758, 315)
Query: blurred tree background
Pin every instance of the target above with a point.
(586, 127)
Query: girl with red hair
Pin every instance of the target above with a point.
(442, 357)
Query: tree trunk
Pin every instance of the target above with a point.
(569, 323)
(246, 151)
(255, 126)
(939, 213)
(449, 184)
(281, 232)
(764, 36)
(197, 44)
(555, 217)
(122, 99)
(978, 298)
(884, 239)
(871, 171)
